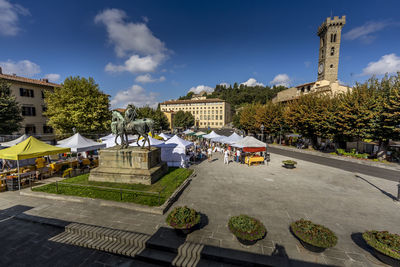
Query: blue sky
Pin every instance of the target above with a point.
(143, 52)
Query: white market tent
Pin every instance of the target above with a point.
(165, 136)
(153, 142)
(219, 139)
(232, 139)
(211, 135)
(111, 141)
(179, 141)
(200, 133)
(78, 143)
(15, 141)
(188, 131)
(107, 137)
(250, 144)
(173, 151)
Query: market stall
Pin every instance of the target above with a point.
(165, 136)
(78, 143)
(153, 142)
(30, 148)
(251, 146)
(211, 135)
(174, 153)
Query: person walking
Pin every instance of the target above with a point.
(209, 154)
(237, 155)
(226, 157)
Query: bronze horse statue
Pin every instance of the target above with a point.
(122, 126)
(141, 127)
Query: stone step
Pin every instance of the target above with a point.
(159, 257)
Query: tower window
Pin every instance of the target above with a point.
(332, 51)
(331, 66)
(333, 38)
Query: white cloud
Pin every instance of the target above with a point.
(225, 84)
(9, 16)
(281, 79)
(21, 68)
(252, 82)
(146, 78)
(137, 64)
(365, 31)
(200, 88)
(136, 95)
(386, 64)
(53, 77)
(129, 37)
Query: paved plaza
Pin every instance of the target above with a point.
(347, 203)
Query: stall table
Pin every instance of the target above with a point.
(254, 159)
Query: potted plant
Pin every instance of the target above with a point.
(386, 246)
(183, 219)
(289, 164)
(247, 230)
(313, 237)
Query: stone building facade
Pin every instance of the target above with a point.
(330, 33)
(29, 94)
(212, 112)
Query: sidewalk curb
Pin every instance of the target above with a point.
(361, 162)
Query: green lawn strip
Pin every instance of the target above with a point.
(168, 181)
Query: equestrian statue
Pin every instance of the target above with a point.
(122, 126)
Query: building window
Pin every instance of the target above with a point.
(30, 129)
(28, 111)
(220, 117)
(26, 92)
(47, 129)
(332, 51)
(42, 94)
(333, 38)
(331, 66)
(212, 112)
(201, 117)
(208, 112)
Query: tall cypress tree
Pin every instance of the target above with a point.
(10, 111)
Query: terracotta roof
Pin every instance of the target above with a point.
(28, 80)
(210, 100)
(122, 110)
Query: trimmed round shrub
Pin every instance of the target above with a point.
(246, 228)
(183, 218)
(313, 234)
(384, 242)
(289, 162)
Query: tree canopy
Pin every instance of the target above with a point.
(160, 120)
(10, 111)
(78, 104)
(183, 119)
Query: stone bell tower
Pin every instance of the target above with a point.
(330, 35)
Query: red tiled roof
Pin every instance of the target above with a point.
(28, 80)
(122, 110)
(189, 101)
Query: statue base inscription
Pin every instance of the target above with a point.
(132, 165)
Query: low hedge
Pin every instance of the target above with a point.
(183, 218)
(384, 242)
(246, 228)
(313, 234)
(290, 162)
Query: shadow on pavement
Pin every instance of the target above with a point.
(381, 190)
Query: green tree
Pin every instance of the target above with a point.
(160, 120)
(10, 111)
(357, 113)
(183, 119)
(78, 103)
(247, 117)
(271, 116)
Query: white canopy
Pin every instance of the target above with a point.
(179, 141)
(249, 141)
(200, 133)
(188, 131)
(211, 135)
(153, 142)
(219, 139)
(111, 141)
(165, 136)
(15, 141)
(107, 137)
(78, 143)
(232, 139)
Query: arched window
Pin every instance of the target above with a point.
(331, 38)
(332, 51)
(331, 66)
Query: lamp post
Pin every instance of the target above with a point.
(262, 132)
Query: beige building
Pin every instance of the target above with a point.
(212, 112)
(328, 64)
(29, 94)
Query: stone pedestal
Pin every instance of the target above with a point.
(133, 165)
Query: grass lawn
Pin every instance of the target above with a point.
(169, 182)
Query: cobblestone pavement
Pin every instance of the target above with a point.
(346, 203)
